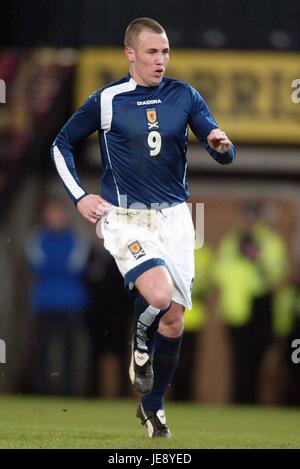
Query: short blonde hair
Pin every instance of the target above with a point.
(138, 25)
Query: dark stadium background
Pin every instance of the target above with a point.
(40, 58)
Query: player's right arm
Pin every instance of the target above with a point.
(84, 122)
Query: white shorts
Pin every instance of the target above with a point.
(141, 239)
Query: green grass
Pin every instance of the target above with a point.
(35, 422)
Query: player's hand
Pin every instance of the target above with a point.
(218, 140)
(92, 207)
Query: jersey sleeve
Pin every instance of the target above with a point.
(84, 122)
(202, 123)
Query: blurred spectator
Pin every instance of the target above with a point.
(286, 324)
(57, 255)
(185, 378)
(109, 319)
(251, 264)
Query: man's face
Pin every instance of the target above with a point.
(55, 217)
(148, 58)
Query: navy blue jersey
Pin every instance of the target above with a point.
(143, 135)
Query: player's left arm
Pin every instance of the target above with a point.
(206, 130)
(218, 141)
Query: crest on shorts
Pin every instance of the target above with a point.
(136, 250)
(152, 118)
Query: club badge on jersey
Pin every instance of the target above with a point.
(152, 119)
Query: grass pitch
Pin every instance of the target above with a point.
(37, 422)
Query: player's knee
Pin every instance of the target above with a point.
(172, 324)
(161, 299)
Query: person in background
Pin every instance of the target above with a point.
(250, 265)
(286, 326)
(57, 256)
(109, 317)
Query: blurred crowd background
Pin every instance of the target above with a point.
(64, 314)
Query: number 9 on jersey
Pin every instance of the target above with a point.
(154, 142)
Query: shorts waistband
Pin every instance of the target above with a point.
(137, 211)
